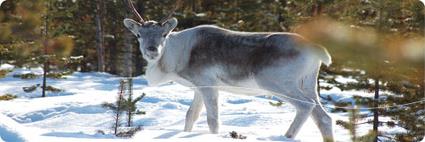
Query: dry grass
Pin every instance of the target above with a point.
(7, 97)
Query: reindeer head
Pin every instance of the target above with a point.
(151, 34)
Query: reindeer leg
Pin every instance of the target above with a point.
(319, 115)
(290, 92)
(210, 97)
(303, 112)
(324, 122)
(194, 111)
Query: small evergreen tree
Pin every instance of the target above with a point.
(352, 124)
(130, 104)
(117, 108)
(127, 106)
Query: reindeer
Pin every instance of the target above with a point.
(284, 64)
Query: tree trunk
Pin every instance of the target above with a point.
(194, 6)
(128, 52)
(99, 37)
(45, 68)
(316, 8)
(46, 57)
(118, 110)
(375, 110)
(376, 97)
(113, 50)
(281, 19)
(130, 99)
(128, 61)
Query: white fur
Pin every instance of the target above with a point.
(299, 88)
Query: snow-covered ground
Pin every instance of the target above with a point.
(76, 114)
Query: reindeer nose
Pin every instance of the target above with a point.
(152, 48)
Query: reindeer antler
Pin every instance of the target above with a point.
(178, 4)
(134, 10)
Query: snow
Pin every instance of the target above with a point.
(6, 66)
(9, 130)
(76, 114)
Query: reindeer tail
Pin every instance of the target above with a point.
(324, 55)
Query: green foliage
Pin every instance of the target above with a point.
(20, 24)
(112, 106)
(130, 105)
(368, 40)
(30, 88)
(129, 132)
(351, 126)
(118, 109)
(34, 87)
(55, 75)
(7, 97)
(401, 92)
(53, 89)
(29, 41)
(3, 73)
(121, 106)
(340, 106)
(130, 102)
(60, 46)
(369, 137)
(276, 104)
(58, 75)
(235, 135)
(26, 76)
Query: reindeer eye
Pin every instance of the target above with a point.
(164, 35)
(138, 35)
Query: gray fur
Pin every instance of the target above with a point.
(204, 57)
(152, 33)
(240, 55)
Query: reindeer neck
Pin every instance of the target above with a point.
(174, 58)
(175, 53)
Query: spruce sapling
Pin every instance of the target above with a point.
(118, 108)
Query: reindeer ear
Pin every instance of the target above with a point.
(132, 25)
(170, 24)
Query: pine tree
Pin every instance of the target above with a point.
(378, 65)
(29, 42)
(118, 107)
(125, 106)
(45, 50)
(354, 121)
(130, 105)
